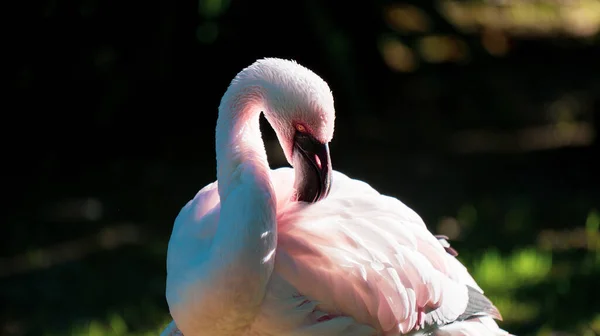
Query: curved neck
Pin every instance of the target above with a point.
(239, 143)
(244, 243)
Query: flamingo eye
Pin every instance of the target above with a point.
(300, 128)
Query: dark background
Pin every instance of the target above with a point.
(482, 117)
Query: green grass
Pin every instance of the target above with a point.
(114, 325)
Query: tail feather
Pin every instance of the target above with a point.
(480, 326)
(479, 305)
(446, 245)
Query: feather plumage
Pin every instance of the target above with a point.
(365, 259)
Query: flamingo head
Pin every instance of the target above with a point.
(299, 107)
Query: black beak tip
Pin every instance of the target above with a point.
(312, 168)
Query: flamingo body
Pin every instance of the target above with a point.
(366, 258)
(246, 258)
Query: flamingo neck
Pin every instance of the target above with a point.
(239, 144)
(242, 250)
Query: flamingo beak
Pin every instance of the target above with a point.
(312, 167)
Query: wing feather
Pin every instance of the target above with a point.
(369, 256)
(363, 260)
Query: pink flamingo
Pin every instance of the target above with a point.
(287, 252)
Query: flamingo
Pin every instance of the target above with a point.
(306, 251)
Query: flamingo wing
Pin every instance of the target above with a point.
(368, 256)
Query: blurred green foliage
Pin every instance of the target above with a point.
(113, 325)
